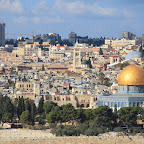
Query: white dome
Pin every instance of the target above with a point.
(34, 55)
(3, 65)
(133, 54)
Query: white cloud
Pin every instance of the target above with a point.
(11, 6)
(37, 20)
(79, 7)
(128, 14)
(21, 20)
(40, 8)
(56, 19)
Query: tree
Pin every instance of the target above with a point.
(6, 117)
(103, 116)
(89, 63)
(3, 70)
(33, 112)
(94, 44)
(24, 79)
(7, 108)
(49, 106)
(100, 51)
(68, 113)
(141, 49)
(106, 82)
(80, 115)
(53, 116)
(123, 65)
(89, 114)
(40, 107)
(27, 105)
(101, 78)
(43, 69)
(128, 116)
(25, 118)
(21, 106)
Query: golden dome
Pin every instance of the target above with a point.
(131, 75)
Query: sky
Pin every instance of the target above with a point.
(95, 18)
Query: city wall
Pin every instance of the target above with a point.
(75, 140)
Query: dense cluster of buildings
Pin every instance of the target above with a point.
(84, 75)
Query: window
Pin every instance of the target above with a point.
(118, 104)
(122, 104)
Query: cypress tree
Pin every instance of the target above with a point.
(40, 107)
(43, 69)
(89, 63)
(100, 52)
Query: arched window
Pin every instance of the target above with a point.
(82, 105)
(111, 104)
(87, 105)
(118, 104)
(122, 104)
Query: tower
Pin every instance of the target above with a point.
(36, 85)
(76, 57)
(72, 37)
(2, 34)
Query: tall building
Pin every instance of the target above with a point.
(72, 38)
(2, 34)
(128, 35)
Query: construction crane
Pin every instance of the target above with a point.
(22, 34)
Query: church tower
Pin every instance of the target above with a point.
(76, 57)
(36, 85)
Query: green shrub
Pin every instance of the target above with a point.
(117, 129)
(135, 130)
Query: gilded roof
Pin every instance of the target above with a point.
(131, 75)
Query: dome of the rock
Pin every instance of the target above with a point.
(131, 75)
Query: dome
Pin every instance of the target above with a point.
(34, 55)
(37, 100)
(131, 75)
(3, 65)
(133, 54)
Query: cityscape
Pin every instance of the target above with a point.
(71, 87)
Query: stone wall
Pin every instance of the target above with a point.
(75, 140)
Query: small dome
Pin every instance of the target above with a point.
(37, 100)
(34, 55)
(131, 75)
(133, 54)
(3, 65)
